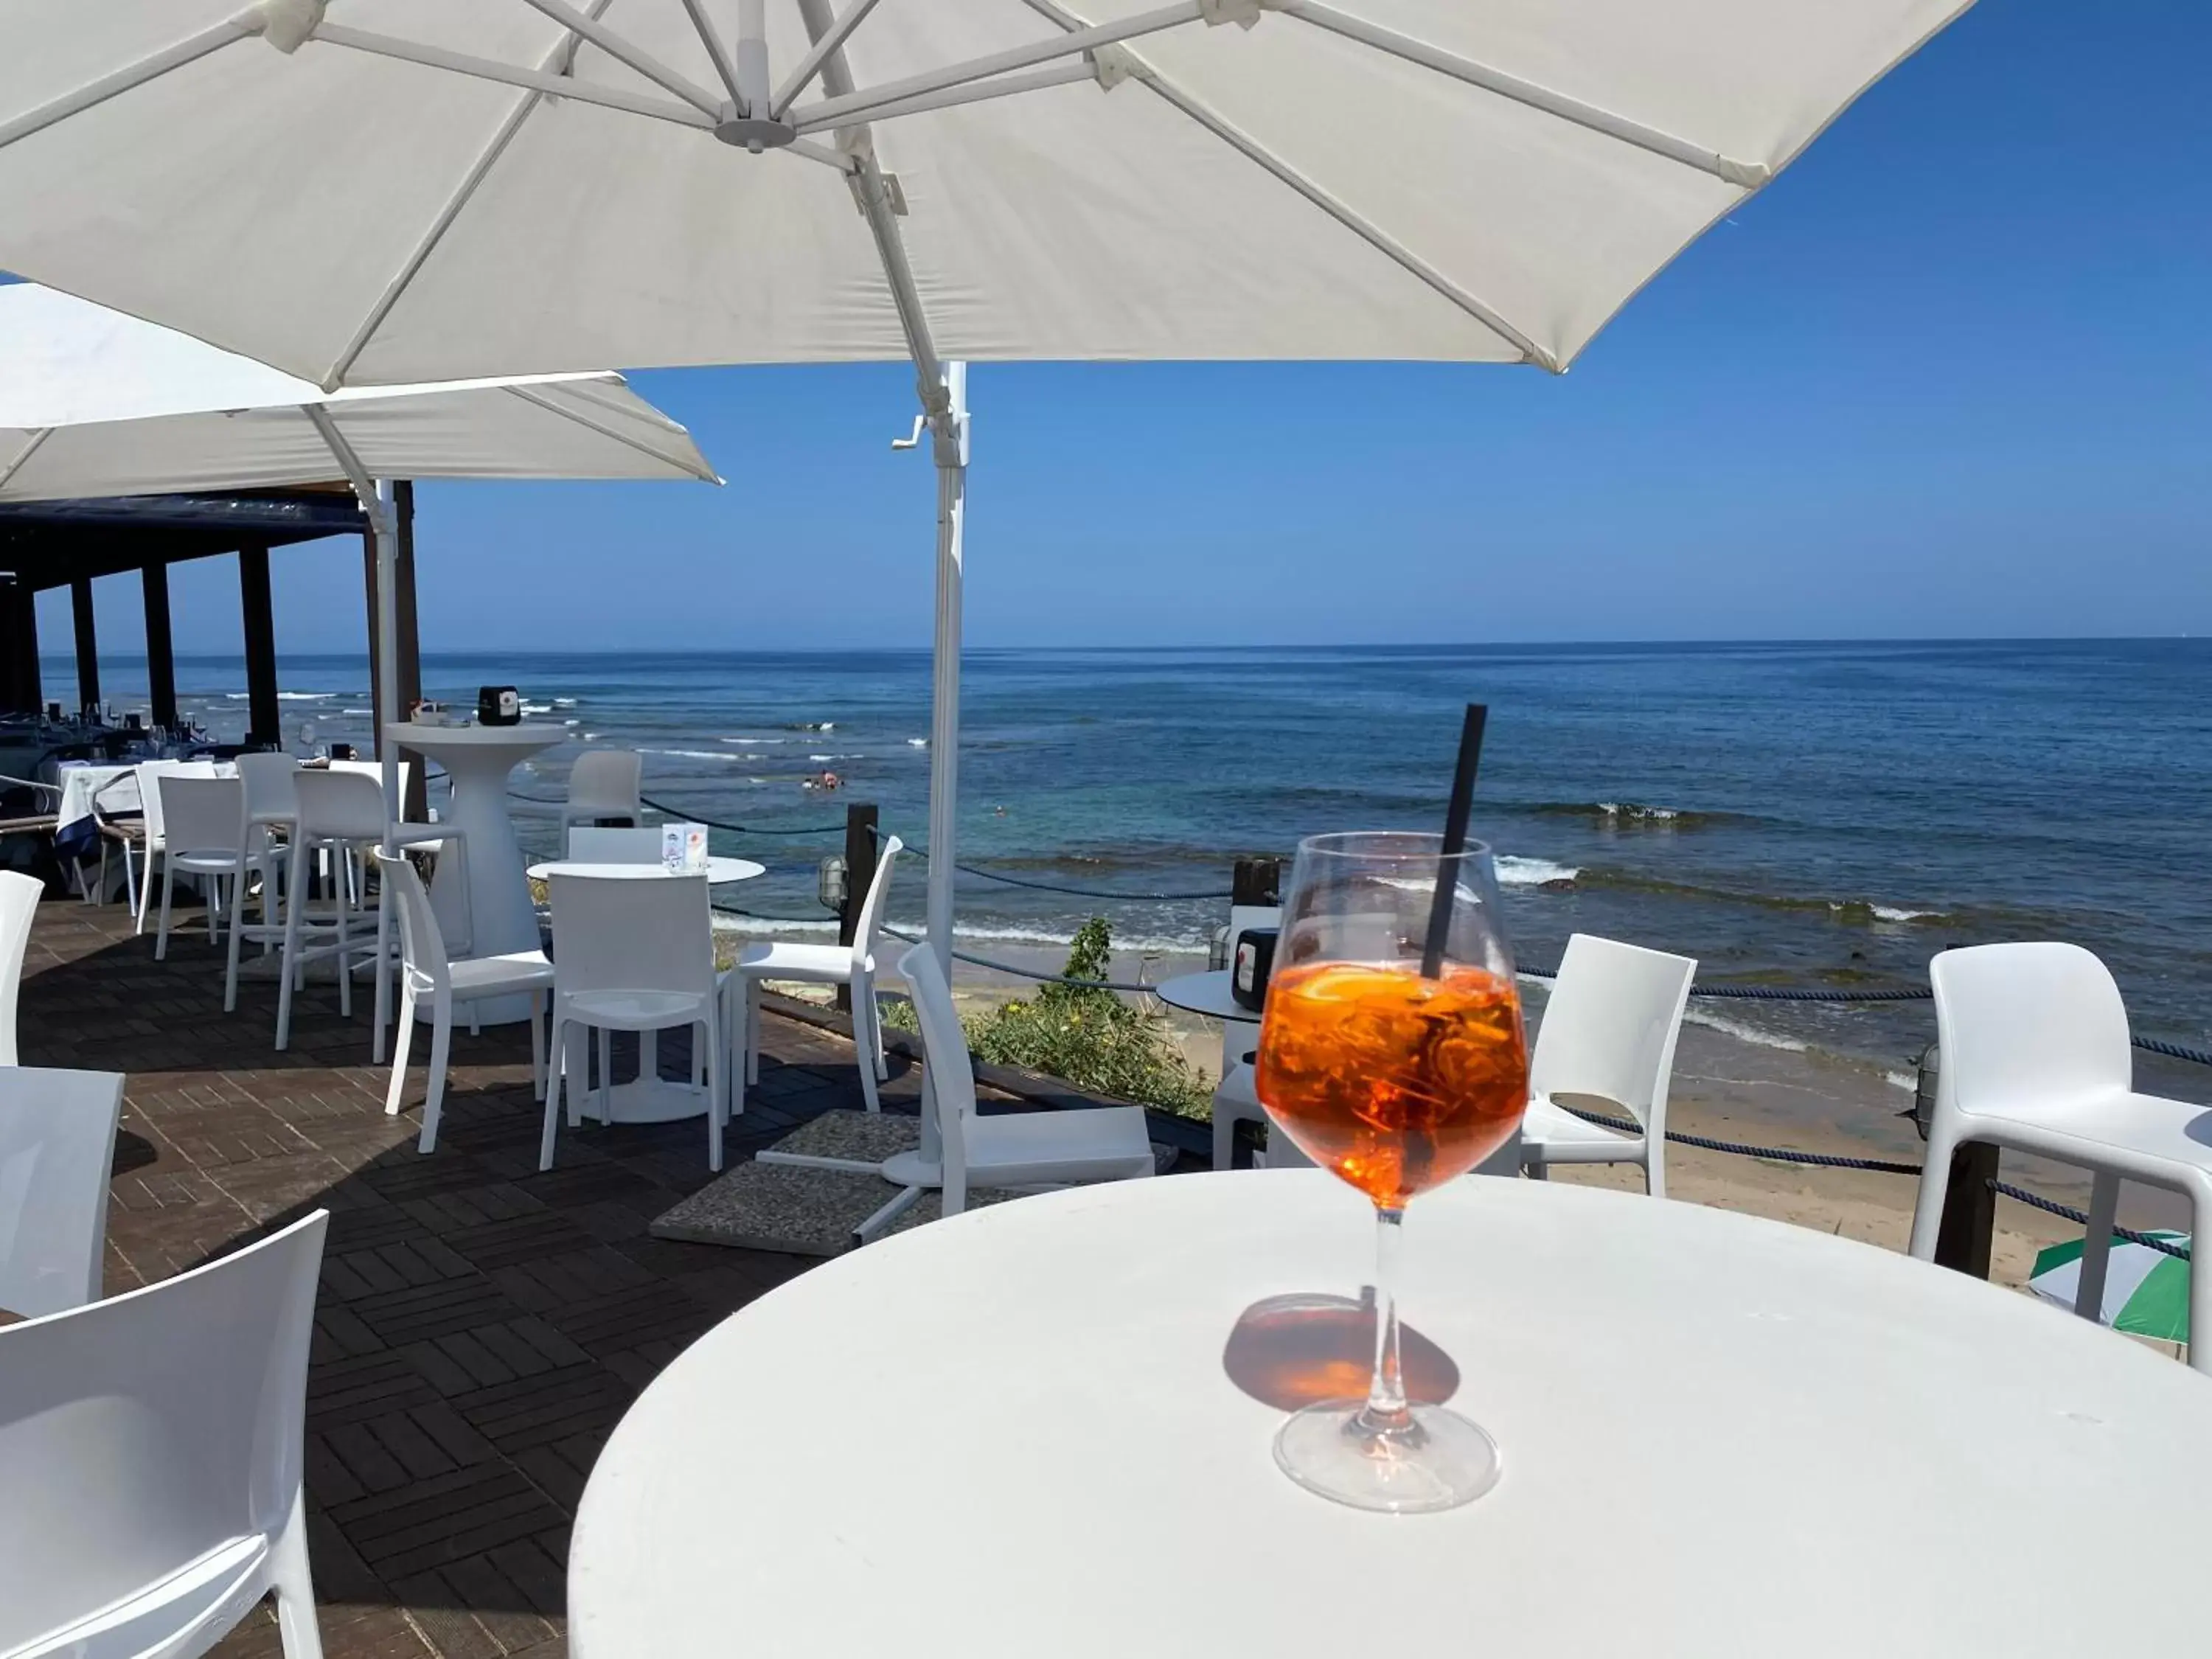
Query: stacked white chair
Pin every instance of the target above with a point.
(2037, 1057)
(56, 1148)
(19, 909)
(1608, 1033)
(151, 775)
(208, 837)
(633, 956)
(152, 1451)
(819, 964)
(603, 784)
(426, 972)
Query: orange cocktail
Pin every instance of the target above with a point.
(1394, 1081)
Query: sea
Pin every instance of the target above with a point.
(1809, 816)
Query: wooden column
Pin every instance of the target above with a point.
(1970, 1211)
(88, 643)
(28, 692)
(859, 876)
(265, 722)
(160, 657)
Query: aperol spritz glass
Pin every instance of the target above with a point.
(1392, 1053)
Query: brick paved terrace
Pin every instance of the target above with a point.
(482, 1326)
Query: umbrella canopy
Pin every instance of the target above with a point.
(2146, 1291)
(95, 403)
(391, 190)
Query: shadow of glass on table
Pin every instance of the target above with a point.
(1294, 1351)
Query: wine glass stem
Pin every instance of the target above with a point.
(1385, 1412)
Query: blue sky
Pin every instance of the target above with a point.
(1949, 375)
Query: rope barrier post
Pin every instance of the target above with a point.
(1970, 1211)
(1257, 882)
(859, 876)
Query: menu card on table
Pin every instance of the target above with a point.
(683, 847)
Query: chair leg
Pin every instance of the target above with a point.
(1935, 1187)
(161, 933)
(574, 1058)
(606, 1045)
(2199, 1283)
(707, 1034)
(399, 1047)
(1655, 1162)
(345, 940)
(2096, 1245)
(237, 927)
(537, 1045)
(288, 964)
(441, 1038)
(294, 1585)
(752, 1030)
(1224, 1138)
(145, 891)
(864, 1047)
(561, 1034)
(383, 970)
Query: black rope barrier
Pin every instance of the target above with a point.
(1779, 1154)
(1030, 973)
(686, 814)
(2049, 1206)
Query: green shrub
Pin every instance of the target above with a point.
(1086, 1036)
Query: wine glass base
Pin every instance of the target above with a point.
(1439, 1461)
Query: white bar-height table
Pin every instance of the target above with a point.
(1724, 1437)
(501, 919)
(649, 1097)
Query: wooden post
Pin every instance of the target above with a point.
(18, 678)
(29, 688)
(1256, 882)
(1970, 1211)
(264, 723)
(160, 657)
(859, 876)
(416, 807)
(88, 644)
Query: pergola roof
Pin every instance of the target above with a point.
(50, 543)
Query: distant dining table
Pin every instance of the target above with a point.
(649, 1097)
(1724, 1437)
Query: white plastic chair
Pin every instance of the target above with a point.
(819, 964)
(603, 783)
(1237, 1100)
(342, 810)
(425, 971)
(1609, 1031)
(633, 956)
(2037, 1057)
(1046, 1148)
(19, 908)
(589, 845)
(56, 1147)
(152, 1449)
(208, 837)
(151, 775)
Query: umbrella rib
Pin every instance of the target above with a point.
(1746, 175)
(832, 40)
(553, 408)
(1076, 39)
(703, 26)
(95, 93)
(1366, 230)
(38, 435)
(625, 52)
(490, 69)
(974, 92)
(554, 63)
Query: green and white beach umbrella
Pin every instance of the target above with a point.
(2146, 1291)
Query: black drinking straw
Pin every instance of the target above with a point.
(1462, 802)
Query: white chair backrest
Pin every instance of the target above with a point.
(606, 777)
(589, 845)
(1610, 1027)
(268, 781)
(2018, 1024)
(339, 806)
(951, 1076)
(56, 1147)
(19, 909)
(143, 1433)
(623, 933)
(421, 944)
(202, 815)
(371, 769)
(868, 930)
(151, 775)
(1242, 916)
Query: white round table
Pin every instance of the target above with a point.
(1205, 994)
(649, 1097)
(719, 870)
(478, 758)
(1012, 1433)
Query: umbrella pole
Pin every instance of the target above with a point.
(950, 449)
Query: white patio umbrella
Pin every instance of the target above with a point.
(95, 403)
(429, 187)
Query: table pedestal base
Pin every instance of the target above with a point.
(648, 1097)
